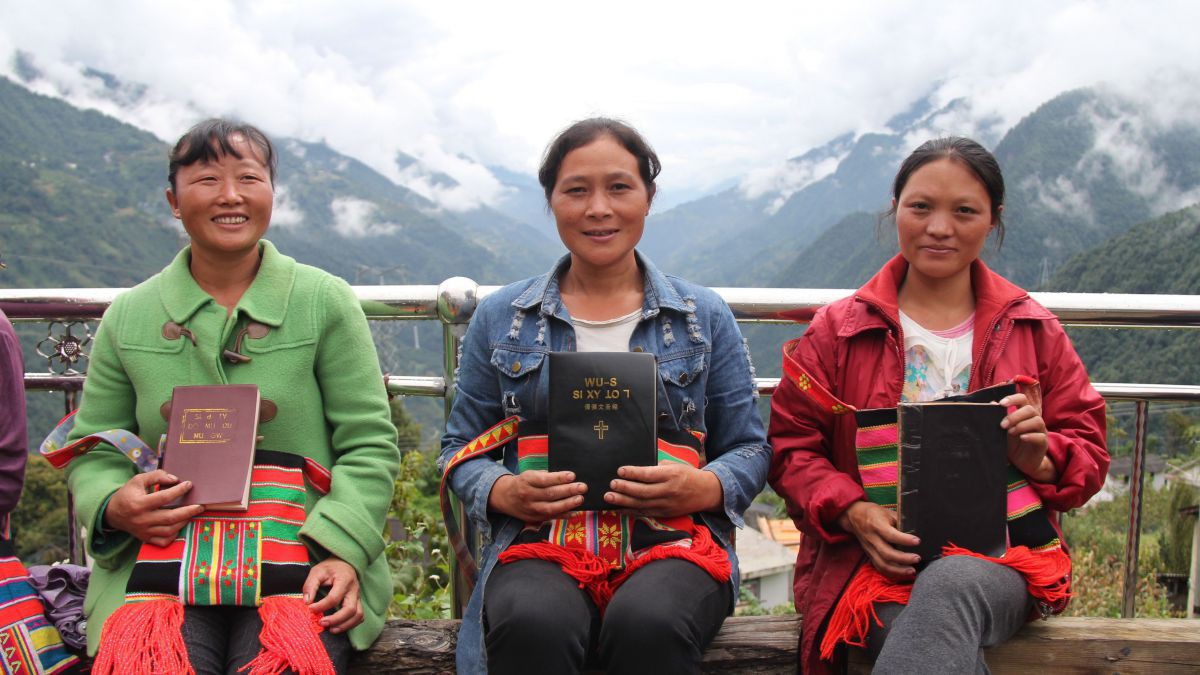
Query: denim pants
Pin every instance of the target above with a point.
(538, 620)
(220, 640)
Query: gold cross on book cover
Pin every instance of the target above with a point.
(602, 415)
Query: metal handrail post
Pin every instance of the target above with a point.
(457, 298)
(1133, 536)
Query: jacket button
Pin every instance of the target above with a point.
(683, 379)
(637, 349)
(516, 367)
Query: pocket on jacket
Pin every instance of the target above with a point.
(683, 380)
(520, 378)
(517, 365)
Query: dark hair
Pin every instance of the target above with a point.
(966, 152)
(210, 139)
(583, 132)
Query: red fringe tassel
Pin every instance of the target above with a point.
(588, 569)
(849, 622)
(290, 640)
(1047, 577)
(592, 572)
(704, 553)
(143, 637)
(1047, 573)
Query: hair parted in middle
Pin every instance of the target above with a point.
(585, 131)
(967, 152)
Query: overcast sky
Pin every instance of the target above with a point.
(721, 89)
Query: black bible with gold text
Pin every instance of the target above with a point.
(601, 417)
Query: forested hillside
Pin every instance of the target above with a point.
(1157, 256)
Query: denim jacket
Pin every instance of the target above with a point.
(706, 384)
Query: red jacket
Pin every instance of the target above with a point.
(855, 349)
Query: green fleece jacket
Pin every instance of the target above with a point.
(317, 363)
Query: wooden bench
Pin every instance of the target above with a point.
(768, 644)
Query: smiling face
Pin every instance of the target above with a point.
(600, 202)
(943, 218)
(225, 204)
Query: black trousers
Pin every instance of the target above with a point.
(221, 640)
(538, 620)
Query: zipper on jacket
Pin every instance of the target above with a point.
(987, 339)
(899, 339)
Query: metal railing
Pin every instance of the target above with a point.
(454, 301)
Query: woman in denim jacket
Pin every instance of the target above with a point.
(528, 614)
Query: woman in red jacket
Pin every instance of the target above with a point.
(935, 321)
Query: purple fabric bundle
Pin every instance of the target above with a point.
(62, 588)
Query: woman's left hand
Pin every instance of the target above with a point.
(342, 581)
(664, 491)
(1027, 443)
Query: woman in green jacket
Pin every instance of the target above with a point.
(231, 309)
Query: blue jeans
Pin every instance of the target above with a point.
(220, 640)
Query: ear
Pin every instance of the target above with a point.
(893, 204)
(999, 213)
(174, 203)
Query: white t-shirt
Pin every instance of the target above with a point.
(609, 335)
(937, 364)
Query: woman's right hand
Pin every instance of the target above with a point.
(536, 496)
(138, 511)
(875, 528)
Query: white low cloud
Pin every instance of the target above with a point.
(783, 181)
(1060, 195)
(284, 213)
(355, 218)
(720, 90)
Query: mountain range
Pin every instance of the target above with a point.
(1095, 180)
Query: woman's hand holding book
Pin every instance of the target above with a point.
(665, 491)
(875, 528)
(1027, 443)
(536, 496)
(137, 509)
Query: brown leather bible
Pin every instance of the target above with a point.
(210, 441)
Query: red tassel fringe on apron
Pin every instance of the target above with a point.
(592, 572)
(1047, 577)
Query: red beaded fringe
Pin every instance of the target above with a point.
(592, 572)
(290, 640)
(143, 637)
(1047, 577)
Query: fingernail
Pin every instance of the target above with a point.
(172, 476)
(1004, 401)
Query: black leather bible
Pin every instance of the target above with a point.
(953, 463)
(601, 417)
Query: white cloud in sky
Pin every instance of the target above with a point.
(354, 218)
(720, 89)
(285, 213)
